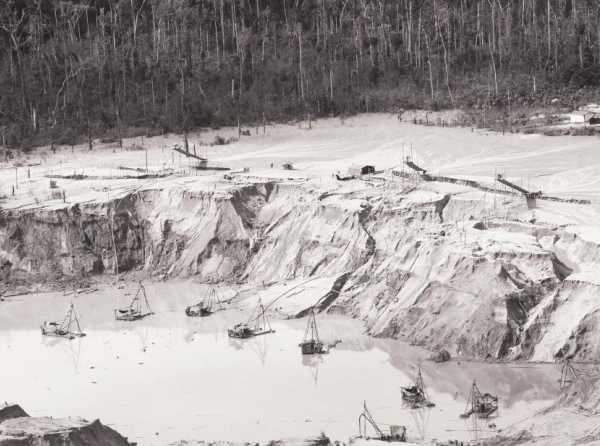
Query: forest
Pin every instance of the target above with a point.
(71, 70)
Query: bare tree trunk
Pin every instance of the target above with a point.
(118, 114)
(493, 63)
(299, 33)
(430, 68)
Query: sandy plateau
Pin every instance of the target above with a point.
(399, 265)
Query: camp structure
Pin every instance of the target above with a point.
(207, 306)
(257, 325)
(416, 395)
(483, 405)
(138, 308)
(68, 328)
(356, 172)
(367, 170)
(344, 177)
(311, 344)
(396, 433)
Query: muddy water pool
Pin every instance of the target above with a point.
(169, 377)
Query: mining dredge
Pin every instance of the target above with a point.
(416, 396)
(311, 344)
(68, 328)
(207, 306)
(483, 405)
(257, 325)
(396, 433)
(138, 308)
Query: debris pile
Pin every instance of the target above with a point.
(441, 356)
(9, 411)
(19, 429)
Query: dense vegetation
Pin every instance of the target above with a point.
(80, 67)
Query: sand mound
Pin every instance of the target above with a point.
(45, 431)
(11, 411)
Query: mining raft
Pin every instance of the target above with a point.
(68, 328)
(138, 308)
(257, 325)
(311, 344)
(416, 395)
(395, 434)
(483, 405)
(207, 306)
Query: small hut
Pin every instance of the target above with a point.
(366, 170)
(580, 117)
(363, 170)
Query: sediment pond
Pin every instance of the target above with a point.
(169, 377)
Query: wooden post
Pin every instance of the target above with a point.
(112, 233)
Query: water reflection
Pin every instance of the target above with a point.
(144, 377)
(142, 334)
(260, 346)
(420, 418)
(189, 337)
(479, 429)
(312, 362)
(236, 344)
(512, 382)
(73, 350)
(69, 348)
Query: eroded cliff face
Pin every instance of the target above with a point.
(167, 232)
(429, 267)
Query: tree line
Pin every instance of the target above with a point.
(71, 68)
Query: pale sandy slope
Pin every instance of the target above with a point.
(567, 166)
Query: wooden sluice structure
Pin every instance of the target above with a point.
(530, 197)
